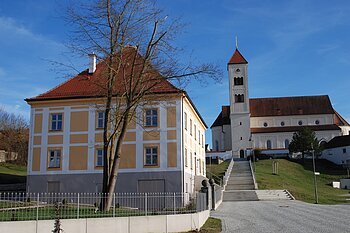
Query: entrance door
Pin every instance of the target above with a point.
(241, 154)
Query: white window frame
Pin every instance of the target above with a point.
(100, 120)
(191, 127)
(56, 121)
(55, 156)
(186, 159)
(151, 153)
(99, 154)
(151, 117)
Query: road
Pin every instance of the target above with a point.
(283, 216)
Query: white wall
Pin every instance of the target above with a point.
(275, 121)
(278, 139)
(336, 155)
(144, 224)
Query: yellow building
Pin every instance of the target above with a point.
(163, 153)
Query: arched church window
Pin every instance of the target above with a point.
(300, 122)
(265, 124)
(286, 143)
(268, 144)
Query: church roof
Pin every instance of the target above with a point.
(285, 106)
(237, 58)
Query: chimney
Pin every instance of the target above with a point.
(92, 66)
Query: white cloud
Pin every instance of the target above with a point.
(10, 25)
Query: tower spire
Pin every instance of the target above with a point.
(236, 42)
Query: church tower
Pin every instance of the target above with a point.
(239, 105)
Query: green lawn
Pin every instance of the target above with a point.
(218, 170)
(212, 225)
(297, 178)
(12, 173)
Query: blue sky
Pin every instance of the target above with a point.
(293, 47)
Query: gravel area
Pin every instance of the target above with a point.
(283, 216)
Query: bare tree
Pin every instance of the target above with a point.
(14, 134)
(133, 41)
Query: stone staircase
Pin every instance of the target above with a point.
(240, 185)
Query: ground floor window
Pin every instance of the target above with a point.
(54, 158)
(151, 156)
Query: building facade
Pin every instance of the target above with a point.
(163, 150)
(268, 124)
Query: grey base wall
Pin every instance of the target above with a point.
(170, 181)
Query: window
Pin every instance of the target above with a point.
(300, 122)
(240, 123)
(99, 157)
(265, 124)
(317, 122)
(199, 137)
(54, 158)
(216, 145)
(195, 132)
(344, 150)
(241, 138)
(190, 126)
(237, 81)
(286, 143)
(239, 98)
(185, 120)
(151, 117)
(202, 141)
(203, 167)
(100, 119)
(191, 161)
(282, 123)
(268, 144)
(56, 121)
(186, 163)
(151, 156)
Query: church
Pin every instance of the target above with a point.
(268, 124)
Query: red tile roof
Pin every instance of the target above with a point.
(86, 85)
(339, 120)
(286, 106)
(237, 58)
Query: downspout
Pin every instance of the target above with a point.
(182, 146)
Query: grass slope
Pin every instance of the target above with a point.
(12, 173)
(218, 170)
(298, 179)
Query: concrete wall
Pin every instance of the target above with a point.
(144, 224)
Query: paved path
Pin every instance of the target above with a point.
(283, 216)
